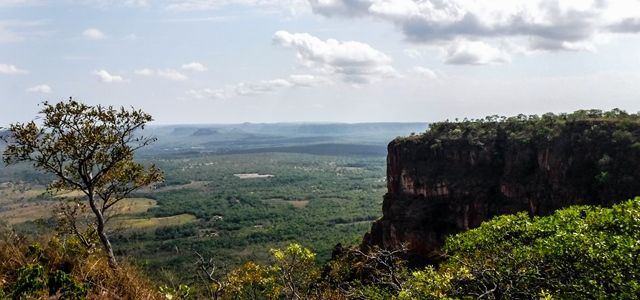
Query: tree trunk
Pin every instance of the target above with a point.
(106, 244)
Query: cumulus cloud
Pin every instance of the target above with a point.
(540, 25)
(333, 8)
(195, 67)
(93, 34)
(255, 88)
(11, 70)
(207, 94)
(107, 77)
(355, 62)
(629, 25)
(144, 72)
(424, 72)
(170, 74)
(475, 53)
(41, 88)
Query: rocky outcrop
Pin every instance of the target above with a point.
(459, 174)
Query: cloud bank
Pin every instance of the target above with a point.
(354, 62)
(470, 28)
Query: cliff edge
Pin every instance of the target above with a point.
(459, 174)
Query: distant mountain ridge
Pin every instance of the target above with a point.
(278, 137)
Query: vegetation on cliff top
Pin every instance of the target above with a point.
(528, 128)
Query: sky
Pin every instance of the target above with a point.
(232, 61)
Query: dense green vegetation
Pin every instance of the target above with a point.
(582, 252)
(315, 200)
(533, 128)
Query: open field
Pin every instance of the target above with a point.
(21, 202)
(146, 223)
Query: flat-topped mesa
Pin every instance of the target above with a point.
(459, 174)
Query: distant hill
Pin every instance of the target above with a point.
(278, 137)
(4, 134)
(204, 132)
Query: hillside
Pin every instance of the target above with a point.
(459, 174)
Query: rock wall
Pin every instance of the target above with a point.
(457, 175)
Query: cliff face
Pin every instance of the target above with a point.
(459, 174)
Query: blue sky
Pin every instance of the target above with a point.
(227, 61)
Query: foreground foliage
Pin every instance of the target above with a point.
(582, 252)
(63, 268)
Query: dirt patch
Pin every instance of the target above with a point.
(133, 205)
(294, 203)
(298, 203)
(147, 223)
(20, 203)
(28, 211)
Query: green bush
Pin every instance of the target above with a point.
(582, 252)
(61, 282)
(31, 280)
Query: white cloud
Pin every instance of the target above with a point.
(93, 34)
(207, 94)
(261, 87)
(170, 74)
(305, 80)
(355, 62)
(538, 25)
(11, 70)
(41, 88)
(475, 53)
(194, 67)
(334, 8)
(144, 72)
(424, 72)
(106, 77)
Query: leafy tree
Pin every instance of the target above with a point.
(87, 148)
(295, 271)
(249, 281)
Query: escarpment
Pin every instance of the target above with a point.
(459, 174)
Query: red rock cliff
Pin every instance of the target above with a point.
(459, 174)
